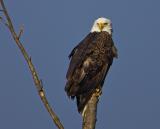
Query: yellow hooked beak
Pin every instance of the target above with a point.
(101, 26)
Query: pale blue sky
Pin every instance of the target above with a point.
(131, 93)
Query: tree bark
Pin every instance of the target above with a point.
(90, 115)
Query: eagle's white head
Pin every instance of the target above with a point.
(102, 24)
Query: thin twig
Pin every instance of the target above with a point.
(21, 30)
(36, 79)
(89, 118)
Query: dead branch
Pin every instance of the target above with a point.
(89, 118)
(32, 69)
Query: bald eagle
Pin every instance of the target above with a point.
(90, 62)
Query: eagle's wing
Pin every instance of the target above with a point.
(77, 54)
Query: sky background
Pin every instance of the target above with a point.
(131, 93)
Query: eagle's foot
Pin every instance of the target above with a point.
(98, 92)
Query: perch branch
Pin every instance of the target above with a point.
(37, 81)
(89, 118)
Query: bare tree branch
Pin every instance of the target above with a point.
(89, 118)
(32, 69)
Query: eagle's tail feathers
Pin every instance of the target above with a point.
(82, 101)
(71, 89)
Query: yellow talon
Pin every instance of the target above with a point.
(98, 92)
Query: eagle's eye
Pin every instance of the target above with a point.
(105, 23)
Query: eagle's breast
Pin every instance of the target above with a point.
(102, 47)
